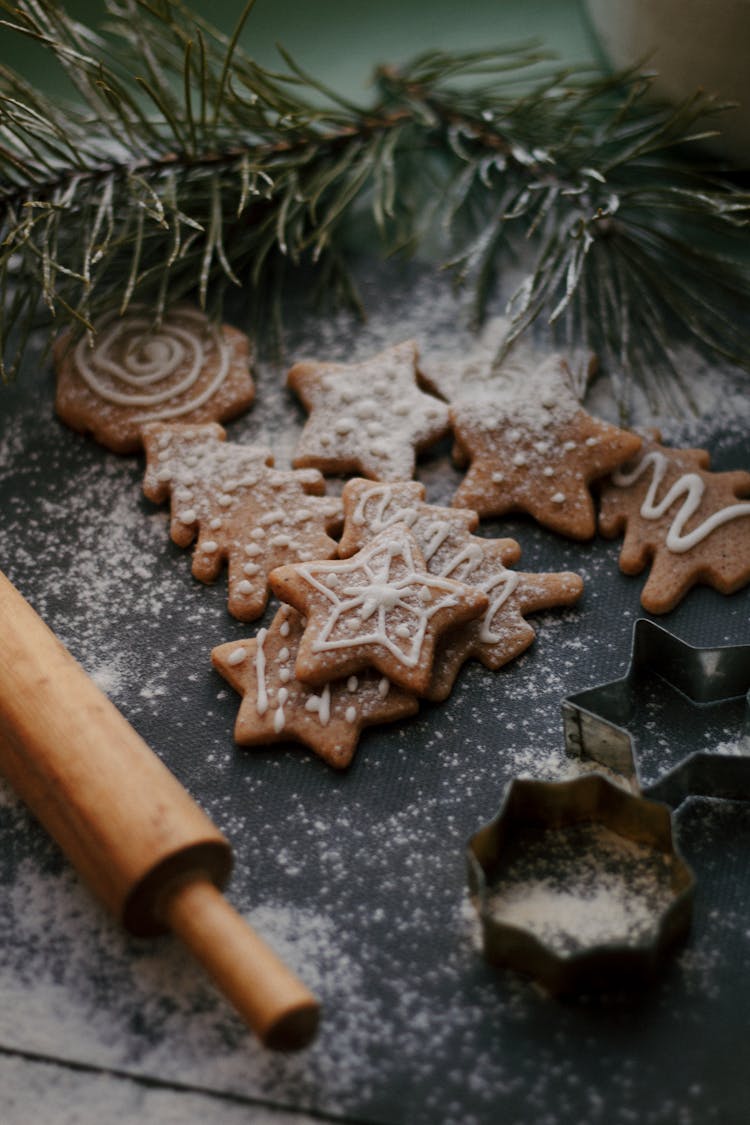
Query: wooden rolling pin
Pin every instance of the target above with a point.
(125, 822)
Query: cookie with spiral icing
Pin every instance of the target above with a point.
(186, 369)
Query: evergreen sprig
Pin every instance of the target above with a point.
(183, 167)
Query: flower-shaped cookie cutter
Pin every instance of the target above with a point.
(579, 884)
(595, 720)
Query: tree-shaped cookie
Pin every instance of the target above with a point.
(381, 608)
(277, 707)
(444, 536)
(185, 369)
(529, 444)
(691, 525)
(370, 417)
(239, 509)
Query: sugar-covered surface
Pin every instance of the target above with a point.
(357, 877)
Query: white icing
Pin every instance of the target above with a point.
(152, 357)
(188, 516)
(691, 487)
(261, 702)
(352, 683)
(503, 582)
(244, 587)
(351, 714)
(236, 656)
(210, 547)
(374, 608)
(324, 713)
(279, 720)
(558, 498)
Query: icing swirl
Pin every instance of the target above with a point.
(131, 363)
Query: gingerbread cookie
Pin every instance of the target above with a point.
(381, 608)
(277, 707)
(692, 525)
(370, 418)
(186, 369)
(240, 509)
(530, 445)
(449, 549)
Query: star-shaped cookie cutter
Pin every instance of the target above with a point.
(595, 720)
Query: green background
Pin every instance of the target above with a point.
(341, 41)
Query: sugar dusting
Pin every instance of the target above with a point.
(357, 879)
(581, 886)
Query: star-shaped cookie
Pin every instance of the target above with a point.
(277, 707)
(368, 417)
(240, 509)
(530, 445)
(381, 608)
(186, 369)
(444, 536)
(691, 525)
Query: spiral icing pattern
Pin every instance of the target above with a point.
(162, 369)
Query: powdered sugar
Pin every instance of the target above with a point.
(357, 878)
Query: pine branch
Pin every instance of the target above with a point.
(207, 171)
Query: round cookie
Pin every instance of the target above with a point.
(185, 370)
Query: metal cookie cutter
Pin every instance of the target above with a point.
(704, 682)
(579, 884)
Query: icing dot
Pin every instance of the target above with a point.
(592, 441)
(568, 445)
(230, 485)
(250, 569)
(164, 474)
(183, 494)
(282, 695)
(352, 683)
(210, 547)
(285, 675)
(281, 541)
(541, 446)
(379, 448)
(402, 631)
(344, 426)
(548, 402)
(244, 587)
(252, 549)
(425, 594)
(237, 656)
(279, 720)
(519, 459)
(312, 703)
(558, 498)
(284, 628)
(514, 435)
(384, 687)
(188, 516)
(224, 501)
(324, 440)
(283, 654)
(257, 533)
(548, 471)
(215, 524)
(351, 714)
(498, 478)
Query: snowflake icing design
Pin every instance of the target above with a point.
(380, 598)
